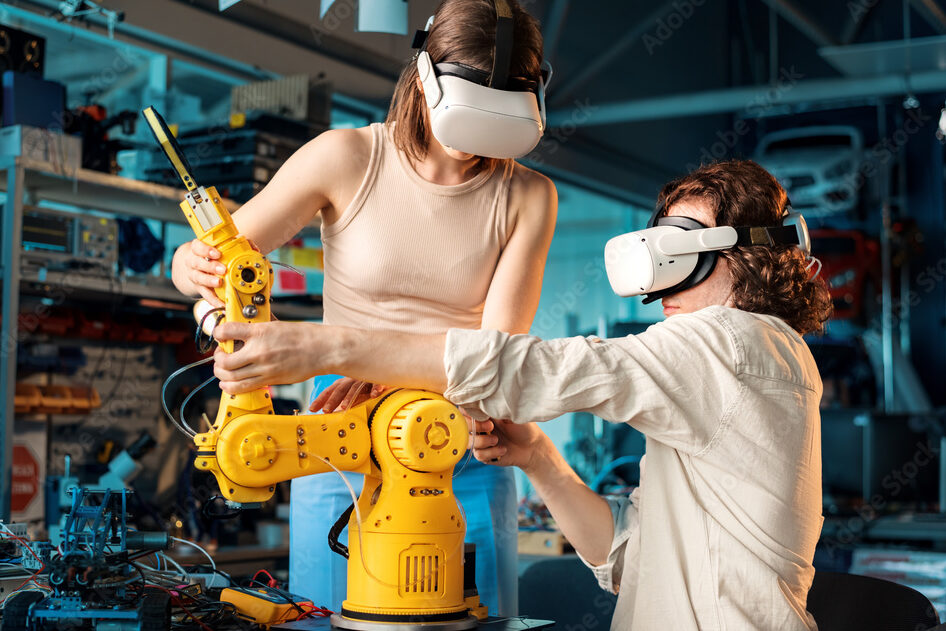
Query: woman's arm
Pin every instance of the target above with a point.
(513, 295)
(323, 175)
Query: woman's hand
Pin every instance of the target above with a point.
(197, 269)
(508, 444)
(272, 353)
(345, 393)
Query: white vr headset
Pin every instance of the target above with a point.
(488, 114)
(676, 253)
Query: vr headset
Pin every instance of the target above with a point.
(488, 114)
(676, 253)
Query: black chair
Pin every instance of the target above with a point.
(847, 602)
(564, 590)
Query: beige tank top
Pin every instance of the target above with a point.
(412, 256)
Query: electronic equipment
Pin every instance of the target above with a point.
(484, 113)
(28, 99)
(91, 574)
(266, 606)
(676, 253)
(298, 96)
(64, 240)
(240, 160)
(21, 51)
(406, 532)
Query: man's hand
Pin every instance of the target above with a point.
(272, 353)
(508, 444)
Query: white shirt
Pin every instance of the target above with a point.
(722, 531)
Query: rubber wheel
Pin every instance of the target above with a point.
(17, 610)
(155, 611)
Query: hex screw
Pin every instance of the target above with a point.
(343, 450)
(341, 433)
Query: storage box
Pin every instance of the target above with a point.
(543, 542)
(62, 151)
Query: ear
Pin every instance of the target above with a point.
(420, 85)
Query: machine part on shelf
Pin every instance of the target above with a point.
(406, 521)
(92, 124)
(54, 239)
(61, 151)
(299, 96)
(123, 468)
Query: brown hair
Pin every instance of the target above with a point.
(464, 31)
(772, 280)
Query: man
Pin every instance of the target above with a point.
(722, 530)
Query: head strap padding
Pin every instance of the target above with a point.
(502, 53)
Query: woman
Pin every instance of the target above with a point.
(722, 531)
(418, 238)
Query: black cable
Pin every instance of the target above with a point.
(212, 515)
(203, 346)
(336, 530)
(285, 595)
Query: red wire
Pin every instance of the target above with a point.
(29, 549)
(272, 581)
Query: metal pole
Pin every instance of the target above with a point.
(886, 328)
(12, 231)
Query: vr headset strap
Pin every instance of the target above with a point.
(502, 55)
(776, 235)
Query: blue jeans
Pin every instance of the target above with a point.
(488, 496)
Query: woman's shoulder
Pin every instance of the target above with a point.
(532, 193)
(343, 142)
(530, 180)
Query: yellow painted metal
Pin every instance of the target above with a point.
(406, 553)
(406, 558)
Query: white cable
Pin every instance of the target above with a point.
(177, 565)
(194, 545)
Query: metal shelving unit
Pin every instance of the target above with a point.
(25, 180)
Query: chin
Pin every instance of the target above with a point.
(459, 155)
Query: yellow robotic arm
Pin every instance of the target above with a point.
(406, 532)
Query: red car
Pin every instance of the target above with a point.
(851, 266)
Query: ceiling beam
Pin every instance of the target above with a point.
(748, 99)
(803, 22)
(614, 51)
(289, 30)
(932, 13)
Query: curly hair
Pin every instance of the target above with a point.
(771, 280)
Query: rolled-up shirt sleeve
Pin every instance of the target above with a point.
(674, 382)
(626, 523)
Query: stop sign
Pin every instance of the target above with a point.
(25, 479)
